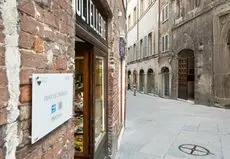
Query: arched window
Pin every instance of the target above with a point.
(142, 81)
(150, 81)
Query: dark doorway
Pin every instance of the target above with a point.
(129, 80)
(165, 80)
(142, 81)
(150, 82)
(186, 75)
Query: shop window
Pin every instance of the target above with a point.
(79, 91)
(99, 101)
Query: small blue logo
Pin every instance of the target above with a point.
(53, 108)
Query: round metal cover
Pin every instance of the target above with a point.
(194, 150)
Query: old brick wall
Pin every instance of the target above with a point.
(46, 45)
(3, 89)
(114, 77)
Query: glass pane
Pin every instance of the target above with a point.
(99, 101)
(78, 102)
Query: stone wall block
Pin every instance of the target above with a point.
(26, 7)
(3, 77)
(50, 19)
(60, 63)
(2, 56)
(25, 112)
(29, 24)
(38, 45)
(4, 96)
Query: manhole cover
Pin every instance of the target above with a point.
(194, 150)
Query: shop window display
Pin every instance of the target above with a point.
(99, 101)
(79, 89)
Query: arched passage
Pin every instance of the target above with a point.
(135, 77)
(186, 74)
(142, 81)
(150, 81)
(129, 79)
(165, 80)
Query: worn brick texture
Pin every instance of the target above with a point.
(114, 89)
(46, 44)
(3, 90)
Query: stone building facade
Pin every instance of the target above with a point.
(194, 67)
(43, 36)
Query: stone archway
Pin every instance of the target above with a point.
(129, 80)
(186, 67)
(150, 81)
(142, 81)
(135, 77)
(165, 80)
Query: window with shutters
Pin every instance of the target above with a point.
(150, 44)
(165, 13)
(146, 46)
(141, 48)
(165, 43)
(134, 52)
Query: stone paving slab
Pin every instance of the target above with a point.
(156, 127)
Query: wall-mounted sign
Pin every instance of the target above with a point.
(52, 102)
(88, 14)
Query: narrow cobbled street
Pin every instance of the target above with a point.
(160, 128)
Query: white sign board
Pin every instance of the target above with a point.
(52, 102)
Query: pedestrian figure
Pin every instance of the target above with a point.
(134, 90)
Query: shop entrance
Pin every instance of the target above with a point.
(186, 75)
(129, 80)
(142, 81)
(89, 103)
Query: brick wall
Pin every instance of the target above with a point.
(3, 89)
(114, 89)
(45, 45)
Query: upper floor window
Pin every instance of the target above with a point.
(142, 6)
(134, 52)
(165, 13)
(134, 14)
(129, 21)
(150, 44)
(141, 48)
(165, 43)
(194, 4)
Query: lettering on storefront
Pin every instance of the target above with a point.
(90, 17)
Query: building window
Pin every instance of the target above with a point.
(99, 101)
(129, 21)
(165, 13)
(145, 46)
(142, 6)
(150, 44)
(141, 48)
(134, 52)
(165, 43)
(134, 15)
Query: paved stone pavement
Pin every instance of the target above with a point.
(156, 127)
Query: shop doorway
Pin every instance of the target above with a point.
(186, 75)
(150, 81)
(142, 81)
(165, 81)
(89, 104)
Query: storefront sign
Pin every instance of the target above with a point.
(88, 14)
(52, 102)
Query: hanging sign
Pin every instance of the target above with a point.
(52, 102)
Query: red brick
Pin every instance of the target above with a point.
(3, 77)
(26, 7)
(2, 36)
(29, 59)
(61, 63)
(2, 56)
(25, 124)
(4, 96)
(29, 24)
(38, 45)
(26, 40)
(63, 4)
(3, 116)
(25, 76)
(50, 19)
(26, 94)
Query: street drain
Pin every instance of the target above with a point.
(194, 150)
